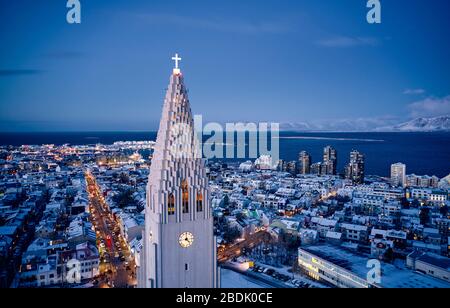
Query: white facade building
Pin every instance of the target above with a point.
(398, 174)
(179, 245)
(345, 269)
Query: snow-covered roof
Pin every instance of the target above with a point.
(323, 221)
(392, 276)
(334, 235)
(354, 227)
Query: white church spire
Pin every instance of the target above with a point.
(179, 245)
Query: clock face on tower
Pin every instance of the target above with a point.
(186, 239)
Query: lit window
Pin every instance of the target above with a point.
(199, 202)
(185, 197)
(171, 205)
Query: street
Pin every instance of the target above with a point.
(235, 250)
(117, 266)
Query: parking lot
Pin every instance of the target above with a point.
(281, 277)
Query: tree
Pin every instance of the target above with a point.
(405, 203)
(389, 255)
(124, 198)
(291, 242)
(415, 203)
(240, 216)
(231, 234)
(444, 210)
(68, 199)
(343, 199)
(226, 201)
(124, 178)
(424, 215)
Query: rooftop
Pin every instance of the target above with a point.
(435, 260)
(8, 230)
(392, 276)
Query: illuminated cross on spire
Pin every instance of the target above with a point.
(176, 59)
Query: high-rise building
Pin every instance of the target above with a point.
(330, 160)
(179, 245)
(292, 167)
(281, 166)
(317, 168)
(398, 174)
(355, 169)
(304, 160)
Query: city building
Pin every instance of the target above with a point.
(246, 166)
(281, 166)
(317, 168)
(430, 264)
(423, 181)
(342, 268)
(264, 162)
(355, 169)
(292, 167)
(304, 160)
(398, 174)
(179, 245)
(354, 233)
(330, 160)
(430, 195)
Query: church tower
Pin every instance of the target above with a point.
(179, 248)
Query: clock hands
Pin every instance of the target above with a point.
(186, 239)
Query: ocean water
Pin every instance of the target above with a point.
(423, 153)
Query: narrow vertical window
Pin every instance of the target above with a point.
(171, 205)
(185, 197)
(199, 202)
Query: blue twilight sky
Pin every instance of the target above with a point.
(286, 61)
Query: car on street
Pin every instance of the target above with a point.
(270, 272)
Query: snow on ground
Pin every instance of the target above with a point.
(233, 280)
(285, 270)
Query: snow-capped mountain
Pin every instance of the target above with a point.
(297, 126)
(436, 124)
(422, 125)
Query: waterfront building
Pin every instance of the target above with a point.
(355, 169)
(304, 160)
(330, 160)
(398, 174)
(292, 168)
